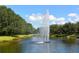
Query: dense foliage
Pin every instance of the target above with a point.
(11, 23)
(68, 28)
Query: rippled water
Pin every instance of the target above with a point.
(55, 46)
(27, 46)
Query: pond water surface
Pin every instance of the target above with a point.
(27, 46)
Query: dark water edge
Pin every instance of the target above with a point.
(27, 46)
(10, 47)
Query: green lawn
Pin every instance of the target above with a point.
(2, 38)
(9, 38)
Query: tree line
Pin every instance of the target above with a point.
(67, 28)
(12, 23)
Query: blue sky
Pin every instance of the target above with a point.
(58, 14)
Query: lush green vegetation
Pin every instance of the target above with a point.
(70, 39)
(69, 32)
(67, 29)
(12, 23)
(11, 38)
(13, 26)
(6, 38)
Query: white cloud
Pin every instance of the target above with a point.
(73, 17)
(34, 17)
(60, 20)
(72, 14)
(52, 17)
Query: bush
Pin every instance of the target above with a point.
(70, 39)
(57, 35)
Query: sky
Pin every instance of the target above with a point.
(58, 14)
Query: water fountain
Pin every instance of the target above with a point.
(43, 34)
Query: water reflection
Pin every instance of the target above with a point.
(27, 46)
(30, 47)
(10, 47)
(55, 46)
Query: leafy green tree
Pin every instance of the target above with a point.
(12, 24)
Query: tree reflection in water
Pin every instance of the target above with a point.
(10, 47)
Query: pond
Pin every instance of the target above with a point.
(27, 46)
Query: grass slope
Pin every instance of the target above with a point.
(9, 38)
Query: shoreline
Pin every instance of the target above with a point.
(14, 38)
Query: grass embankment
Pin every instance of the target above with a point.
(10, 44)
(58, 35)
(70, 39)
(66, 38)
(15, 37)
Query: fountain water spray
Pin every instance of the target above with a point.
(43, 34)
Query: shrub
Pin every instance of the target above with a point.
(70, 39)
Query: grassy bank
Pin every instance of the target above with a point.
(15, 37)
(11, 44)
(58, 35)
(69, 39)
(62, 35)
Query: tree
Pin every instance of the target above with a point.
(12, 24)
